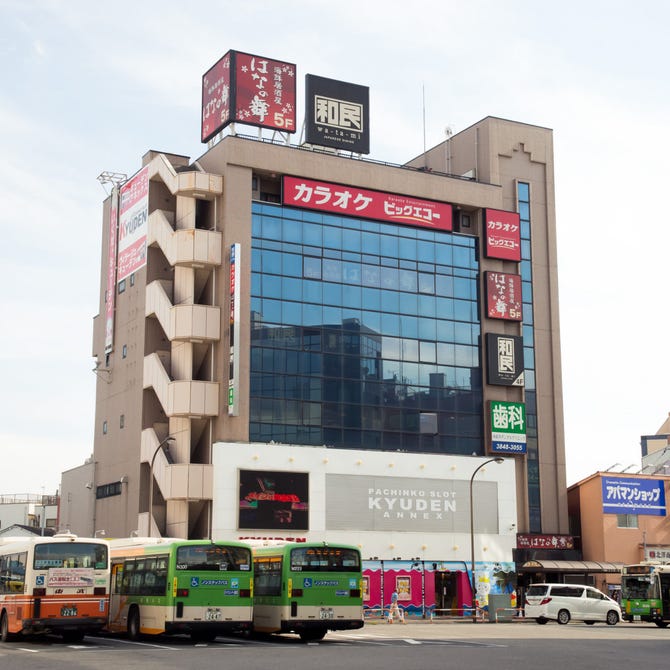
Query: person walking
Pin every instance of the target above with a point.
(394, 610)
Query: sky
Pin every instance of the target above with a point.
(90, 87)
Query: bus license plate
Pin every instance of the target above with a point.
(326, 614)
(68, 611)
(213, 615)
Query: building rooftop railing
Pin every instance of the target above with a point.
(19, 498)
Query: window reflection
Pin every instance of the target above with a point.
(357, 328)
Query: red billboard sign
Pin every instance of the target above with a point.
(503, 296)
(248, 89)
(216, 98)
(503, 234)
(133, 224)
(365, 204)
(524, 541)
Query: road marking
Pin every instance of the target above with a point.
(32, 651)
(147, 644)
(410, 641)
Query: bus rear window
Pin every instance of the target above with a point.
(213, 557)
(70, 555)
(325, 559)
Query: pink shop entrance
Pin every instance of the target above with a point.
(424, 588)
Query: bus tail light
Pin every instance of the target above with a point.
(39, 592)
(245, 593)
(99, 591)
(182, 593)
(355, 593)
(297, 593)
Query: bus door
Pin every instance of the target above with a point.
(665, 594)
(117, 617)
(446, 591)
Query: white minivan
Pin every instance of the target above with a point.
(563, 602)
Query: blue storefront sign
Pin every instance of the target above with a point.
(622, 495)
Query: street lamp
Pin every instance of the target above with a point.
(498, 459)
(162, 443)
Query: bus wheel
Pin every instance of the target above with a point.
(312, 634)
(72, 636)
(660, 624)
(5, 635)
(134, 624)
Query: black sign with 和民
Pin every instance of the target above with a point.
(337, 114)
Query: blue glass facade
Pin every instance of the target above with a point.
(364, 335)
(534, 508)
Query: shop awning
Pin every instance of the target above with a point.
(569, 566)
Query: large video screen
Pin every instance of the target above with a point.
(272, 500)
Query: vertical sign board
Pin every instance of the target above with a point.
(215, 98)
(628, 495)
(503, 296)
(504, 359)
(234, 360)
(503, 234)
(248, 89)
(337, 114)
(508, 427)
(133, 224)
(110, 293)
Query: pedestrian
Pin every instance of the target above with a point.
(394, 610)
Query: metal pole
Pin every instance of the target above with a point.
(169, 438)
(472, 534)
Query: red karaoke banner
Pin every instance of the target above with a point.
(503, 235)
(365, 204)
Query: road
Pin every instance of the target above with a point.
(378, 646)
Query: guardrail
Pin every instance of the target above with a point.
(452, 614)
(482, 615)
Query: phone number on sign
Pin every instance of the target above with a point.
(509, 447)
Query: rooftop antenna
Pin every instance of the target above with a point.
(113, 178)
(423, 96)
(448, 132)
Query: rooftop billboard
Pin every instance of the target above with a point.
(337, 114)
(253, 90)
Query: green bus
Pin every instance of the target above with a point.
(645, 593)
(169, 585)
(307, 588)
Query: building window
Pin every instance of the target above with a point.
(122, 286)
(132, 279)
(108, 490)
(360, 329)
(122, 420)
(124, 351)
(104, 428)
(626, 521)
(525, 269)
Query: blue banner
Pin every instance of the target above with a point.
(633, 496)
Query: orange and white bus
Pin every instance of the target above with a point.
(57, 584)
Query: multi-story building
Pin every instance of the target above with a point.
(293, 297)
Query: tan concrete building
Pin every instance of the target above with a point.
(351, 332)
(621, 519)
